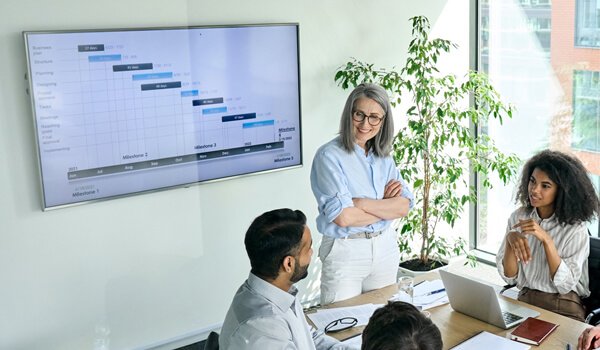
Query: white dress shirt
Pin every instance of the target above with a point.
(264, 317)
(573, 246)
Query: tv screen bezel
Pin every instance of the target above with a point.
(30, 91)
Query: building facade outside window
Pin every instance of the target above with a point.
(587, 30)
(533, 52)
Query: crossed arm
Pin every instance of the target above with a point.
(369, 211)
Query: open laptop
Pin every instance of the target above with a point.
(479, 300)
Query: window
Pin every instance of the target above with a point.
(553, 82)
(586, 111)
(587, 33)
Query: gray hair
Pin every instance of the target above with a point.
(381, 144)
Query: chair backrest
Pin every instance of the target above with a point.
(593, 301)
(212, 342)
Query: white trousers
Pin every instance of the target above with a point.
(355, 266)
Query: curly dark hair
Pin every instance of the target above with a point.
(576, 199)
(400, 326)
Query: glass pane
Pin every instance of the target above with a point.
(587, 23)
(526, 49)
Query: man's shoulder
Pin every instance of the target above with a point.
(252, 315)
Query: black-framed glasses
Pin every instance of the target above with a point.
(341, 324)
(373, 120)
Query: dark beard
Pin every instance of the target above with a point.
(300, 272)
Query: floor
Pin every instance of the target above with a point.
(482, 272)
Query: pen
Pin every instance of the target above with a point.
(436, 291)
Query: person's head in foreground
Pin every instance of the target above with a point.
(400, 326)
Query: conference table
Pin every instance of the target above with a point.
(456, 327)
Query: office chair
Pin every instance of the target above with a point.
(591, 303)
(212, 342)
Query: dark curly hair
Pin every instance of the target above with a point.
(576, 199)
(400, 326)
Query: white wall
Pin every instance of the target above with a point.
(166, 264)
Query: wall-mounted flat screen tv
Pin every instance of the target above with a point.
(122, 112)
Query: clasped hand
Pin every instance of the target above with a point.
(518, 242)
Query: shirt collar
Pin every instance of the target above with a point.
(283, 300)
(361, 151)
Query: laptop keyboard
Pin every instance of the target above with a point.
(510, 318)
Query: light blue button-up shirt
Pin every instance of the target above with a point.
(338, 176)
(263, 317)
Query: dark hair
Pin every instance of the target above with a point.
(381, 144)
(400, 326)
(576, 199)
(271, 237)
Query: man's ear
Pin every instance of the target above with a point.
(288, 264)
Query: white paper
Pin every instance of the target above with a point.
(355, 342)
(486, 340)
(420, 297)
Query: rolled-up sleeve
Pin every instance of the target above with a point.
(330, 186)
(573, 255)
(405, 190)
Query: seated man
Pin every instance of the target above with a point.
(589, 339)
(265, 313)
(400, 326)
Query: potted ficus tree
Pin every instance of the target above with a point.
(438, 148)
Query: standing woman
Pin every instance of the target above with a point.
(359, 193)
(546, 246)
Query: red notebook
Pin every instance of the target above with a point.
(533, 331)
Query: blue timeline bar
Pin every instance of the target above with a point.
(189, 93)
(104, 58)
(231, 118)
(214, 110)
(258, 124)
(166, 75)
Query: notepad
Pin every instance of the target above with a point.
(533, 331)
(486, 340)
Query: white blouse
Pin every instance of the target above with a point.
(573, 246)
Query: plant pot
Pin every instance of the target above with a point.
(402, 271)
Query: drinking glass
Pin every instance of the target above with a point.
(405, 289)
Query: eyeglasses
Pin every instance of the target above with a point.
(341, 324)
(373, 120)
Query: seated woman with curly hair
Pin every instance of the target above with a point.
(546, 246)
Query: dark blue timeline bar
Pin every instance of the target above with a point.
(90, 48)
(232, 118)
(133, 66)
(207, 101)
(161, 86)
(123, 168)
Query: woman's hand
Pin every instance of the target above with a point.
(531, 227)
(589, 339)
(519, 245)
(392, 189)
